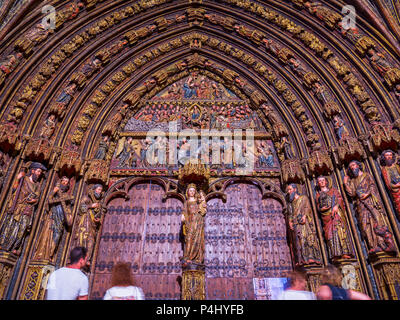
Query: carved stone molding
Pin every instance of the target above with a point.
(292, 171)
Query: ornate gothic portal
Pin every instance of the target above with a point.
(214, 145)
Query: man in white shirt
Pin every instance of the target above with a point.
(297, 289)
(70, 283)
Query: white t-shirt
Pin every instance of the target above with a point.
(297, 295)
(67, 284)
(124, 293)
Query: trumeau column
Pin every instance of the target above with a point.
(195, 177)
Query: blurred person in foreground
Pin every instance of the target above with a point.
(331, 288)
(297, 289)
(122, 284)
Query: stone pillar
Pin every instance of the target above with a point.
(36, 279)
(7, 263)
(387, 273)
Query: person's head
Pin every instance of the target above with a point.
(191, 191)
(292, 191)
(354, 168)
(121, 275)
(331, 275)
(64, 183)
(36, 169)
(78, 256)
(322, 182)
(298, 280)
(388, 157)
(98, 189)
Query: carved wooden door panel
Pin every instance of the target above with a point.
(245, 239)
(145, 232)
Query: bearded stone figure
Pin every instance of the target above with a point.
(58, 217)
(301, 224)
(371, 218)
(194, 211)
(331, 207)
(89, 217)
(391, 176)
(21, 209)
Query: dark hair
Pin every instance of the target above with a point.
(76, 254)
(297, 275)
(331, 275)
(121, 275)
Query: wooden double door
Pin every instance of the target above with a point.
(245, 239)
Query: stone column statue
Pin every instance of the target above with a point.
(58, 217)
(301, 223)
(21, 209)
(391, 176)
(331, 207)
(89, 217)
(371, 218)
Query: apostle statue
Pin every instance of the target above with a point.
(331, 207)
(58, 217)
(89, 218)
(301, 224)
(88, 225)
(194, 211)
(371, 218)
(391, 175)
(21, 209)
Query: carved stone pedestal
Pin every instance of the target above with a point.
(7, 263)
(35, 284)
(313, 277)
(193, 283)
(351, 275)
(387, 273)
